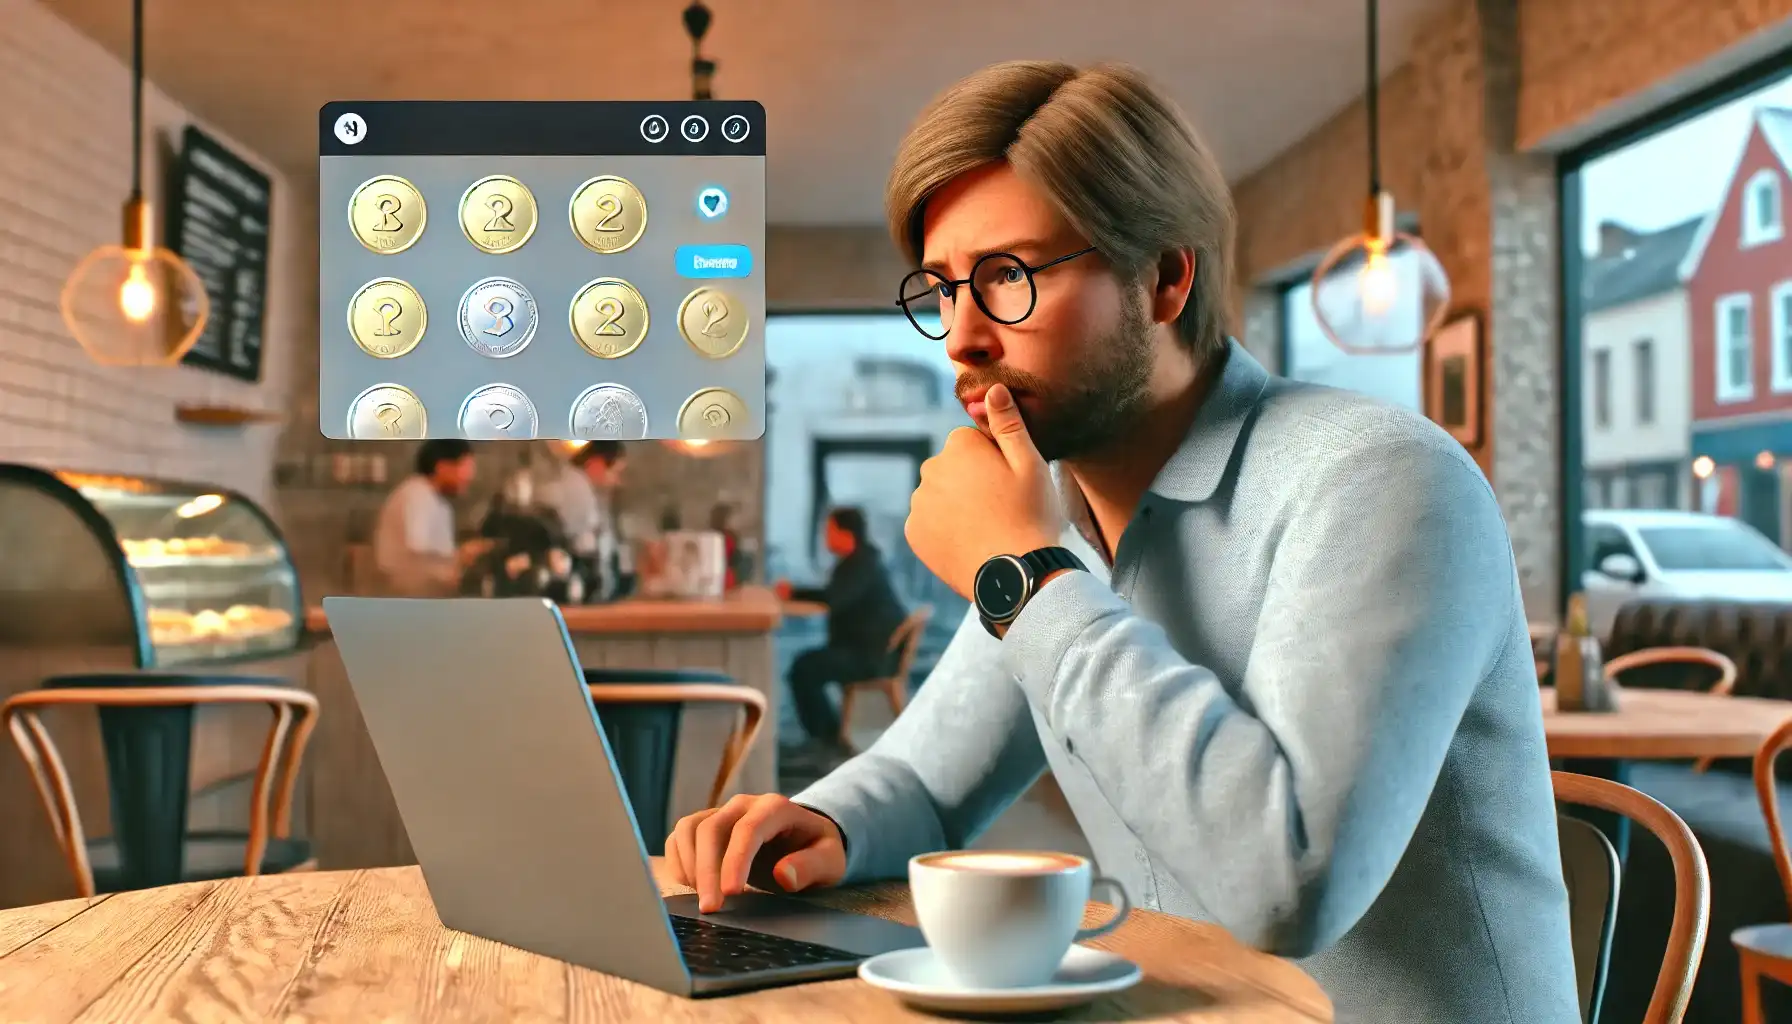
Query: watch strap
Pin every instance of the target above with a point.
(1045, 561)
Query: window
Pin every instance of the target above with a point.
(1602, 388)
(1307, 354)
(1761, 213)
(1605, 541)
(1781, 338)
(1643, 355)
(1735, 348)
(1728, 547)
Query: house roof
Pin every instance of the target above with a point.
(1648, 264)
(1775, 125)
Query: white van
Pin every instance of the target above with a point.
(1634, 553)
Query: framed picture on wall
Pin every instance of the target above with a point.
(1455, 391)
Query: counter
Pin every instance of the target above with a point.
(354, 820)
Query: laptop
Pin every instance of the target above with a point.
(481, 720)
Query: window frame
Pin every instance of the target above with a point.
(1600, 370)
(1570, 302)
(1779, 320)
(1753, 233)
(1725, 391)
(1644, 383)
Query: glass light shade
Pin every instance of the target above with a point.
(131, 306)
(1379, 295)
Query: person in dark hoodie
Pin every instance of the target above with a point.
(863, 613)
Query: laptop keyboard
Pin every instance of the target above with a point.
(716, 949)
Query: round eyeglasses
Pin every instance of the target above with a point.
(1001, 285)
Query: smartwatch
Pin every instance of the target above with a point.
(1005, 583)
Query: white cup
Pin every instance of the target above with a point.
(1005, 919)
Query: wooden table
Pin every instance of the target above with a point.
(1662, 725)
(366, 946)
(803, 609)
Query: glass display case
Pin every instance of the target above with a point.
(180, 574)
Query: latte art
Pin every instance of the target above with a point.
(1003, 862)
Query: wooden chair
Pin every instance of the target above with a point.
(1591, 869)
(1765, 950)
(1653, 656)
(1692, 885)
(905, 643)
(270, 811)
(740, 741)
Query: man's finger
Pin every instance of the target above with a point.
(712, 840)
(751, 832)
(1009, 430)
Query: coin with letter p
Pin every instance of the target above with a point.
(608, 412)
(386, 214)
(713, 321)
(608, 213)
(714, 414)
(498, 412)
(609, 318)
(387, 412)
(497, 214)
(497, 317)
(386, 318)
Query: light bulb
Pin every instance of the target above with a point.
(1377, 283)
(137, 296)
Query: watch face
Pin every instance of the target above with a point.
(1000, 587)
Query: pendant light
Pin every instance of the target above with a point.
(1381, 291)
(135, 304)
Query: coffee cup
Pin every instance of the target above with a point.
(1005, 919)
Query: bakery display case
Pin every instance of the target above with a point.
(180, 574)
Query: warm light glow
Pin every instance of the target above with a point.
(1377, 283)
(696, 443)
(1764, 461)
(137, 296)
(1703, 467)
(200, 506)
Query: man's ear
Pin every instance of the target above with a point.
(1175, 280)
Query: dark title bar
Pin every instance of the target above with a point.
(550, 128)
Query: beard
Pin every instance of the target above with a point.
(1101, 399)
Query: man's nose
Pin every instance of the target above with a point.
(973, 338)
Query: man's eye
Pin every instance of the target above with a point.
(1013, 275)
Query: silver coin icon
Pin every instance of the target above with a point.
(498, 412)
(609, 412)
(498, 317)
(390, 412)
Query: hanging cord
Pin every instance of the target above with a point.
(136, 99)
(1371, 98)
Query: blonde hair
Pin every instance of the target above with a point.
(1115, 156)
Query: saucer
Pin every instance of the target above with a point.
(918, 980)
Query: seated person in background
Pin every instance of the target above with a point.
(863, 612)
(413, 540)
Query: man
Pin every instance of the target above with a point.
(581, 495)
(863, 612)
(413, 539)
(1288, 688)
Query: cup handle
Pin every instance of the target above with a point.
(1122, 907)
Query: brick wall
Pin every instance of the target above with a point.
(65, 168)
(1490, 82)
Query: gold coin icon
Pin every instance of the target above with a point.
(387, 318)
(608, 213)
(609, 318)
(714, 322)
(497, 213)
(387, 214)
(713, 414)
(390, 412)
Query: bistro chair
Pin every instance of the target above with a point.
(905, 644)
(1765, 950)
(1654, 661)
(150, 845)
(1692, 893)
(1591, 870)
(641, 723)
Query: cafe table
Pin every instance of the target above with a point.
(1662, 725)
(366, 946)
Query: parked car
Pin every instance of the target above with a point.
(1635, 553)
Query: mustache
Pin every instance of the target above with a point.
(1017, 381)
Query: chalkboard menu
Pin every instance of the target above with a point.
(218, 214)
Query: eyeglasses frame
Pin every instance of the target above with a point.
(976, 296)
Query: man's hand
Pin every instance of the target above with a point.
(980, 498)
(765, 840)
(470, 551)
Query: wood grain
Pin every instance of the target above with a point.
(1663, 725)
(745, 610)
(367, 946)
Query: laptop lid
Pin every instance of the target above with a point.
(478, 711)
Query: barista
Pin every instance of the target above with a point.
(582, 495)
(413, 540)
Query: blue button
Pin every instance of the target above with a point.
(714, 261)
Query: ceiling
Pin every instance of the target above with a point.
(840, 79)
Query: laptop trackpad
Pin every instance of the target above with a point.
(808, 922)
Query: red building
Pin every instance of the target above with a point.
(1739, 295)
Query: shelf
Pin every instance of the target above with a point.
(223, 415)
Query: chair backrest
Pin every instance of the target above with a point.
(752, 703)
(906, 640)
(1692, 885)
(1678, 667)
(1766, 792)
(270, 811)
(1590, 868)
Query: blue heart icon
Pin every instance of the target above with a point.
(712, 202)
